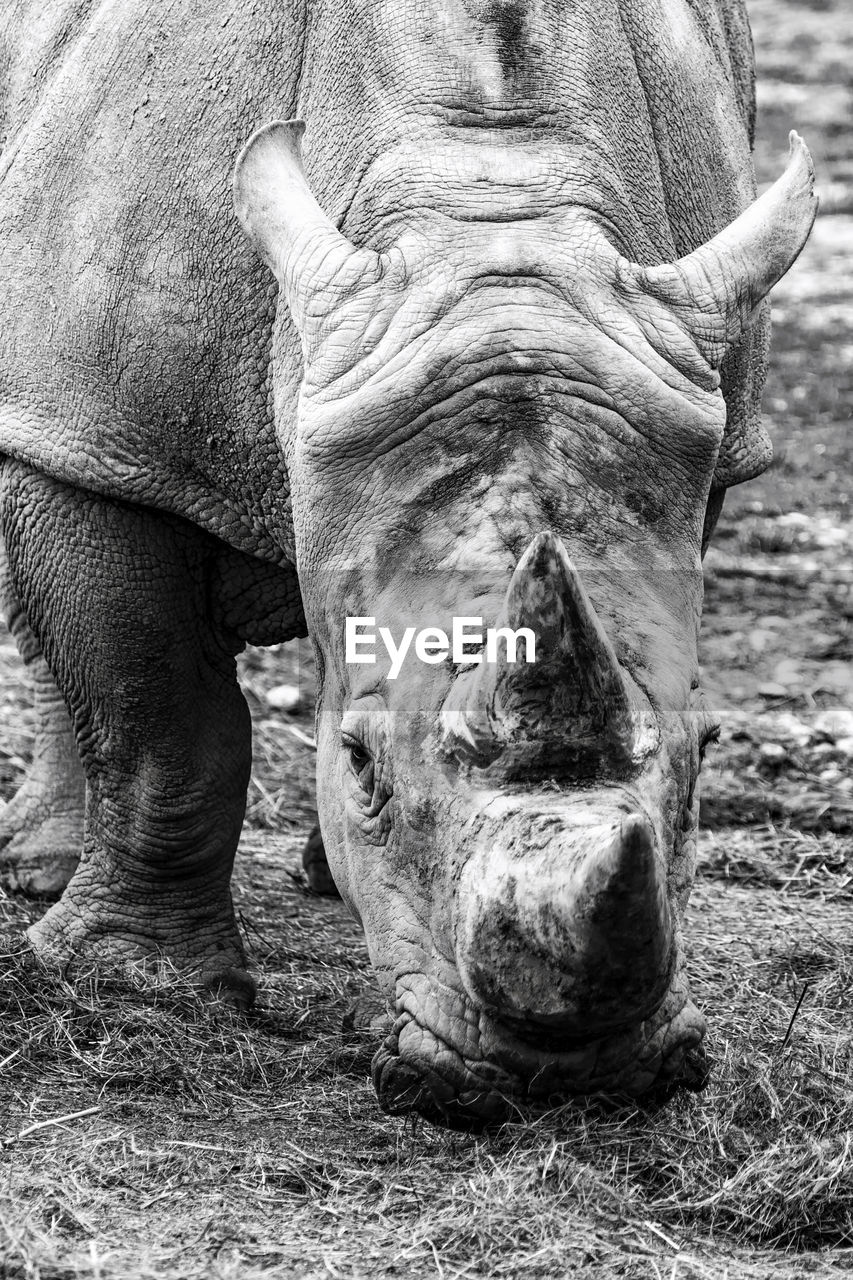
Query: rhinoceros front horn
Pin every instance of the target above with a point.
(717, 287)
(573, 931)
(314, 264)
(574, 706)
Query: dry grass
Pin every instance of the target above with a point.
(196, 1144)
(219, 1146)
(793, 861)
(209, 1146)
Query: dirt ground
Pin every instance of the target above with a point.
(145, 1135)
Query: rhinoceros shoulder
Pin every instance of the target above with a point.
(135, 323)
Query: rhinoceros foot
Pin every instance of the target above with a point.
(476, 1070)
(196, 941)
(41, 835)
(367, 1016)
(316, 867)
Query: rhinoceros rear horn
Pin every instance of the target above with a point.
(718, 286)
(574, 702)
(313, 262)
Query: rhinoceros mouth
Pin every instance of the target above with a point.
(483, 1073)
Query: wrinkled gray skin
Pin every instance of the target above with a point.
(478, 402)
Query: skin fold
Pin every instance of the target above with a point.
(516, 359)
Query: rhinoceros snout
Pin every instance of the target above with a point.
(572, 939)
(461, 1067)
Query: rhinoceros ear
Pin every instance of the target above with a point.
(313, 262)
(718, 286)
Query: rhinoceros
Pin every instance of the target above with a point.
(491, 347)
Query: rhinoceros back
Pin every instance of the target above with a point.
(135, 323)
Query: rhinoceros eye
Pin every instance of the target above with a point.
(361, 762)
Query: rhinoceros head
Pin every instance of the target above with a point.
(507, 420)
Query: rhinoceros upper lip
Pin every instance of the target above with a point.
(515, 1047)
(556, 1034)
(449, 1088)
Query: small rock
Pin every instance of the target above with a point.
(772, 752)
(788, 673)
(772, 690)
(283, 697)
(832, 537)
(845, 746)
(789, 726)
(759, 638)
(794, 519)
(835, 677)
(829, 777)
(836, 723)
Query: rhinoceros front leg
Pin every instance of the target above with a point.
(119, 599)
(41, 828)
